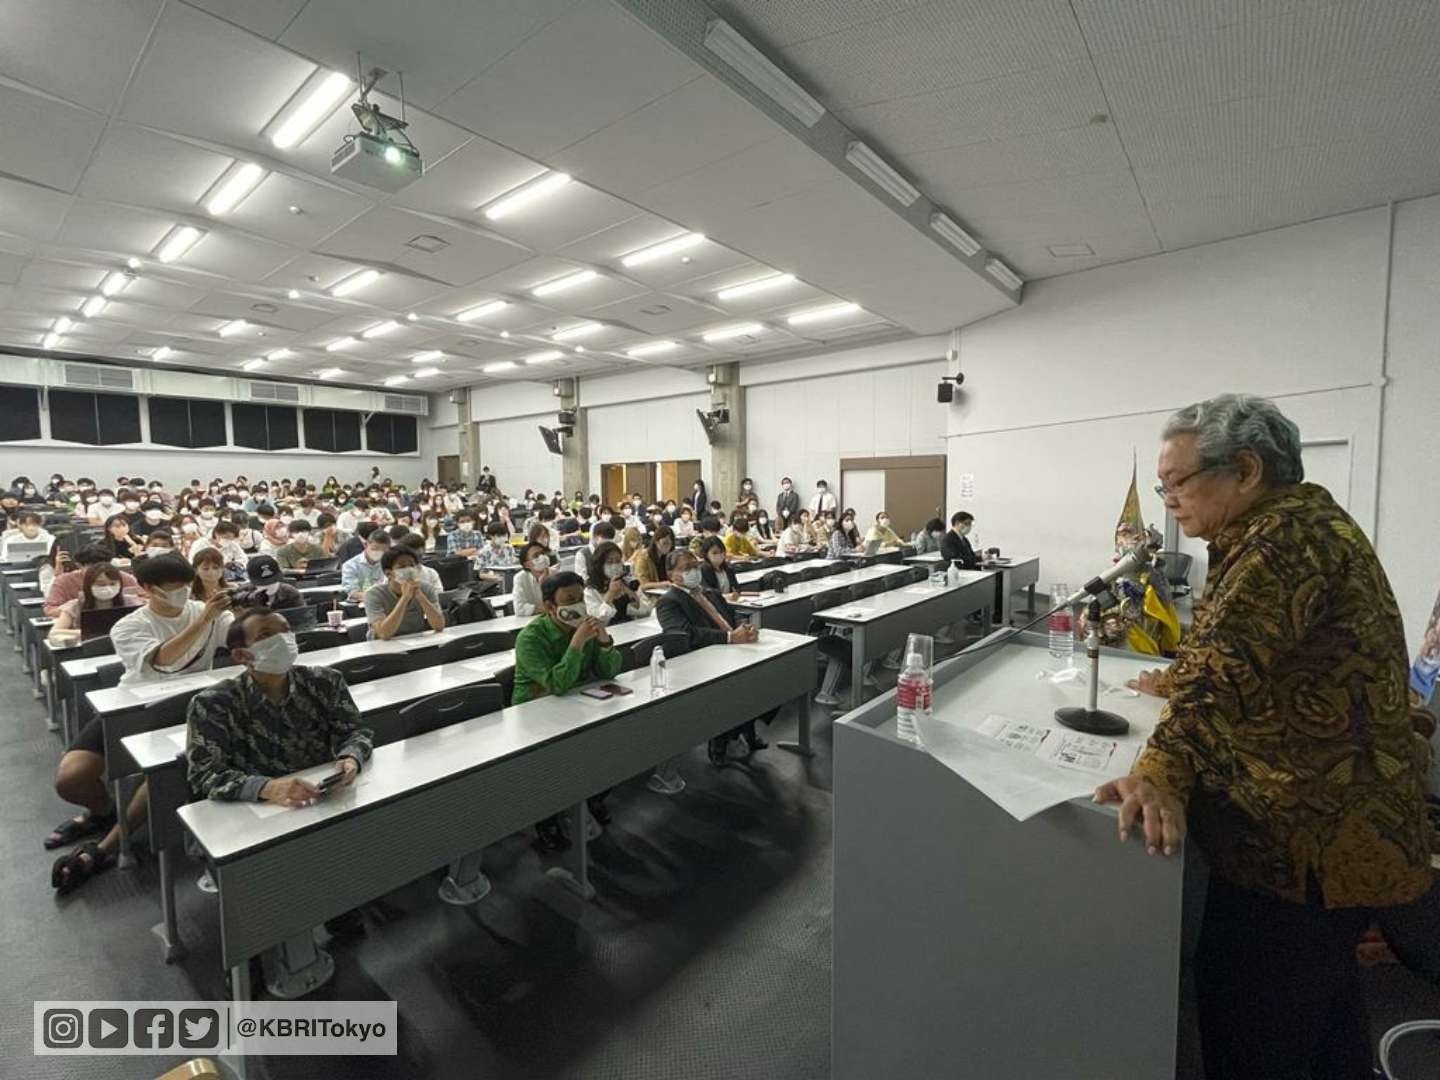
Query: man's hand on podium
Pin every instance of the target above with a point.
(1160, 815)
(1147, 682)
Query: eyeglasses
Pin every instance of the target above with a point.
(1166, 492)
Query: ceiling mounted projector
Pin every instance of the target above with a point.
(380, 155)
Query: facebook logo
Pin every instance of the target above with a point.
(154, 1029)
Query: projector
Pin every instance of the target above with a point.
(375, 162)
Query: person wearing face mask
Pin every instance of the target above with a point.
(226, 540)
(955, 547)
(67, 586)
(882, 533)
(796, 536)
(715, 570)
(159, 542)
(610, 595)
(152, 517)
(684, 526)
(529, 586)
(103, 506)
(274, 533)
(431, 532)
(497, 550)
(208, 515)
(822, 502)
(760, 529)
(363, 572)
(928, 539)
(101, 587)
(404, 603)
(738, 542)
(300, 549)
(845, 537)
(189, 534)
(787, 503)
(26, 530)
(649, 561)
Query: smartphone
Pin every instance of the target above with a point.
(616, 689)
(599, 693)
(326, 783)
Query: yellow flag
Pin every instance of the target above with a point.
(1130, 529)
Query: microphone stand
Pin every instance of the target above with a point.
(1093, 720)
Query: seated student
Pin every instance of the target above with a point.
(226, 540)
(103, 506)
(649, 561)
(955, 547)
(349, 519)
(709, 526)
(152, 518)
(208, 515)
(738, 543)
(403, 603)
(529, 597)
(882, 532)
(761, 532)
(301, 548)
(465, 540)
(539, 534)
(159, 542)
(56, 562)
(796, 536)
(428, 574)
(247, 535)
(706, 618)
(928, 539)
(26, 530)
(100, 588)
(354, 544)
(715, 569)
(189, 534)
(170, 635)
(69, 585)
(432, 536)
(631, 542)
(609, 595)
(569, 530)
(273, 532)
(326, 534)
(845, 537)
(684, 524)
(559, 649)
(364, 571)
(498, 551)
(209, 574)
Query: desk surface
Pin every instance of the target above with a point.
(229, 830)
(804, 589)
(749, 576)
(887, 603)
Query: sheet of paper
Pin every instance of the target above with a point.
(1057, 746)
(919, 590)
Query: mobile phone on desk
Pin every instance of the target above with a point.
(599, 693)
(615, 689)
(324, 784)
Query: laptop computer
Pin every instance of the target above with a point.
(872, 547)
(21, 550)
(98, 622)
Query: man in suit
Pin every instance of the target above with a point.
(787, 503)
(955, 548)
(704, 617)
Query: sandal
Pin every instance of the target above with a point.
(73, 870)
(72, 829)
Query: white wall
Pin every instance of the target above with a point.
(645, 415)
(516, 453)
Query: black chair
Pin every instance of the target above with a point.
(473, 645)
(505, 679)
(97, 646)
(448, 707)
(454, 571)
(320, 638)
(299, 618)
(1176, 566)
(810, 573)
(636, 654)
(362, 669)
(918, 574)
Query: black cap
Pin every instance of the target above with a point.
(263, 570)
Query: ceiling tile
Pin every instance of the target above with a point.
(1089, 149)
(785, 22)
(323, 210)
(46, 141)
(234, 255)
(75, 49)
(381, 236)
(754, 177)
(145, 168)
(30, 211)
(1045, 209)
(122, 230)
(268, 18)
(473, 176)
(569, 214)
(659, 313)
(611, 246)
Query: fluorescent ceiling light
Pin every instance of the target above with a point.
(482, 310)
(730, 45)
(293, 294)
(304, 113)
(946, 227)
(426, 372)
(50, 341)
(396, 380)
(94, 306)
(544, 357)
(234, 326)
(355, 282)
(683, 242)
(62, 325)
(164, 352)
(237, 184)
(329, 372)
(133, 263)
(584, 329)
(411, 317)
(251, 365)
(277, 354)
(822, 314)
(504, 333)
(503, 365)
(180, 240)
(880, 171)
(750, 287)
(428, 357)
(389, 326)
(651, 349)
(725, 333)
(560, 284)
(1003, 274)
(341, 343)
(114, 282)
(526, 193)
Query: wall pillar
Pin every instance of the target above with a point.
(727, 447)
(575, 463)
(467, 437)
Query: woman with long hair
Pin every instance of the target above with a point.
(649, 561)
(609, 595)
(209, 566)
(101, 587)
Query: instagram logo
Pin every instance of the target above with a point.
(64, 1029)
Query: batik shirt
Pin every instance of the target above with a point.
(1287, 725)
(239, 738)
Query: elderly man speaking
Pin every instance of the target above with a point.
(1286, 745)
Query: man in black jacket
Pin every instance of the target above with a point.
(704, 617)
(955, 548)
(787, 503)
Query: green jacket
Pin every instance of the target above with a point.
(546, 664)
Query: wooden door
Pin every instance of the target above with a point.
(447, 469)
(914, 488)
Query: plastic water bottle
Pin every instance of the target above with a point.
(659, 676)
(952, 575)
(914, 688)
(1062, 630)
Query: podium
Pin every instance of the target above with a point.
(968, 944)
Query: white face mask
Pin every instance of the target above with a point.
(614, 570)
(570, 614)
(691, 579)
(274, 655)
(407, 573)
(154, 516)
(375, 554)
(207, 515)
(190, 527)
(132, 506)
(106, 500)
(540, 562)
(176, 597)
(784, 487)
(963, 530)
(105, 592)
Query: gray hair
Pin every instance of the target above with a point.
(1229, 423)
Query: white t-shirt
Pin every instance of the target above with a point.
(139, 634)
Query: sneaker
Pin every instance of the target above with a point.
(661, 784)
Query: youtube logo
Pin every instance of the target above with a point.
(109, 1029)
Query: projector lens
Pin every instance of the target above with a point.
(393, 155)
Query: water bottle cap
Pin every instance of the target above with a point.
(914, 660)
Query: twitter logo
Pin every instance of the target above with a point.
(199, 1029)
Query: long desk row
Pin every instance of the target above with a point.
(1014, 574)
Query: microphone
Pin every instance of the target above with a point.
(1140, 555)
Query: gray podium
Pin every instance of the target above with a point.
(971, 945)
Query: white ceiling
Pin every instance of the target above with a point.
(1115, 127)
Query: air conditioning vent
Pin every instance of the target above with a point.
(405, 403)
(99, 377)
(264, 391)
